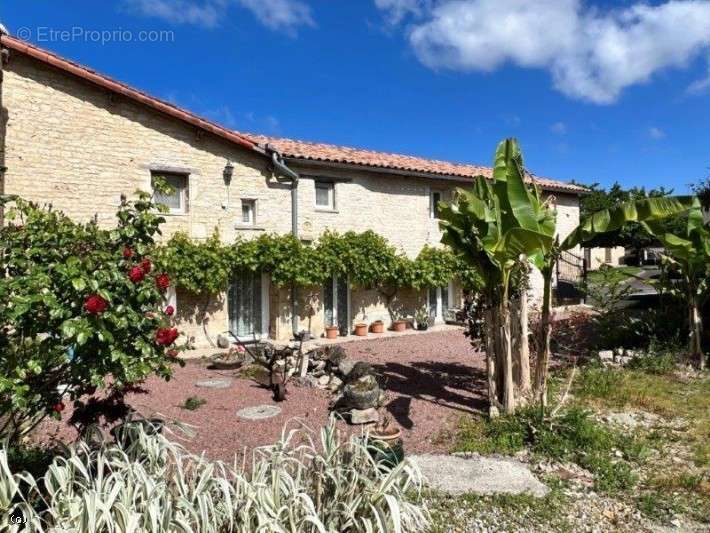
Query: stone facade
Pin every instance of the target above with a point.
(72, 144)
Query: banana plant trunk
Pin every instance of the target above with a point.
(507, 358)
(491, 367)
(696, 328)
(524, 345)
(543, 358)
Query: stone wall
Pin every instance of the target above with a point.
(78, 147)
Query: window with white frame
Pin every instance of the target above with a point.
(325, 195)
(248, 212)
(177, 199)
(435, 198)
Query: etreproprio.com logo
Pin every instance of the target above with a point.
(96, 36)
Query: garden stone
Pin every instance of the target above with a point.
(478, 475)
(364, 416)
(214, 383)
(308, 381)
(222, 342)
(606, 355)
(323, 381)
(259, 412)
(345, 366)
(360, 370)
(335, 383)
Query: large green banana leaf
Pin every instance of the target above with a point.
(647, 210)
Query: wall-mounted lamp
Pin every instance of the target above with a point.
(227, 173)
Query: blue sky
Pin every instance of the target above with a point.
(595, 91)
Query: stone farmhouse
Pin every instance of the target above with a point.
(79, 140)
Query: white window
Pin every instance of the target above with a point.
(434, 207)
(325, 195)
(248, 212)
(176, 200)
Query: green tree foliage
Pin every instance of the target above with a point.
(633, 234)
(77, 304)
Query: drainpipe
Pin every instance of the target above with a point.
(290, 175)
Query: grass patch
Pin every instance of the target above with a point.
(665, 394)
(193, 403)
(572, 436)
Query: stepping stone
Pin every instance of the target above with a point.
(214, 383)
(456, 475)
(258, 412)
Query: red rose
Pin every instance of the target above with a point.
(95, 304)
(169, 310)
(166, 336)
(127, 253)
(146, 266)
(58, 407)
(136, 274)
(162, 281)
(172, 353)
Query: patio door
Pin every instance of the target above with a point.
(439, 299)
(248, 305)
(336, 304)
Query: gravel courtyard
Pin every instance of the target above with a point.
(431, 379)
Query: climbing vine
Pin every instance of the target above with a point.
(366, 258)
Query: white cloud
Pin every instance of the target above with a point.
(560, 128)
(592, 54)
(656, 133)
(399, 9)
(700, 86)
(206, 14)
(283, 15)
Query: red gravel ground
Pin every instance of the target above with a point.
(431, 380)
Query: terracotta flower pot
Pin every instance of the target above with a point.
(361, 329)
(377, 326)
(399, 325)
(331, 332)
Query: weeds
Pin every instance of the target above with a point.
(192, 403)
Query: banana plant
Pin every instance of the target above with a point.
(492, 226)
(648, 211)
(690, 252)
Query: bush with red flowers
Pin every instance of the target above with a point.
(169, 310)
(77, 305)
(95, 304)
(162, 281)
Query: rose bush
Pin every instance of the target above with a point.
(79, 310)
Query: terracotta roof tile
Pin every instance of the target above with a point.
(313, 151)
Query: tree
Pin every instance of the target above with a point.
(633, 234)
(689, 251)
(79, 305)
(491, 226)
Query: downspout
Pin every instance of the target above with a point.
(281, 168)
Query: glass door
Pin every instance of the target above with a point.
(336, 304)
(245, 305)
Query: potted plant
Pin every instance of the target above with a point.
(377, 326)
(422, 318)
(331, 332)
(385, 443)
(361, 329)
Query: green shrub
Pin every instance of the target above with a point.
(77, 303)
